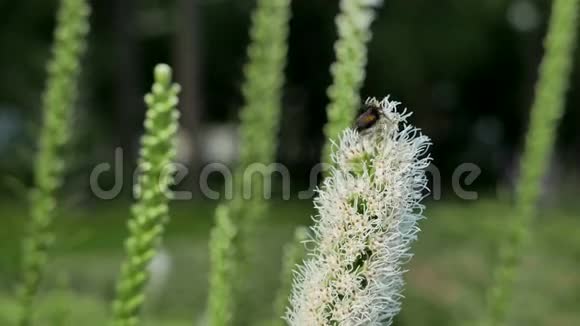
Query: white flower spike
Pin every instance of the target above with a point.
(368, 210)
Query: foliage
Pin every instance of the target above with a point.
(54, 308)
(546, 111)
(367, 219)
(57, 108)
(150, 212)
(348, 70)
(443, 286)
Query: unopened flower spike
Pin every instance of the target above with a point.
(150, 211)
(368, 210)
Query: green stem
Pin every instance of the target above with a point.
(260, 115)
(150, 212)
(57, 108)
(546, 112)
(348, 70)
(222, 259)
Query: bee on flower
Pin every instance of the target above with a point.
(368, 210)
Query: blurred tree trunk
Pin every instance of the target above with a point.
(187, 62)
(129, 107)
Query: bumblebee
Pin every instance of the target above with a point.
(368, 118)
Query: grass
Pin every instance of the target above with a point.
(451, 268)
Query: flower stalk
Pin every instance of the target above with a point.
(260, 115)
(546, 112)
(222, 256)
(368, 210)
(58, 100)
(151, 211)
(348, 70)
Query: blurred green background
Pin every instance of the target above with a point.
(465, 68)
